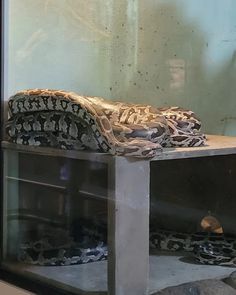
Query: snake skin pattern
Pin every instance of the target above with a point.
(206, 248)
(45, 254)
(70, 121)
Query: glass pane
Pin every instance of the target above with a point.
(192, 203)
(63, 209)
(157, 52)
(55, 220)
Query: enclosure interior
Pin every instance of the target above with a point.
(61, 201)
(72, 195)
(184, 191)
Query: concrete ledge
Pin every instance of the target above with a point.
(205, 287)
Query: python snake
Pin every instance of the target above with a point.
(67, 120)
(206, 247)
(90, 245)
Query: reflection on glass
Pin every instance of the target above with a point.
(161, 53)
(56, 220)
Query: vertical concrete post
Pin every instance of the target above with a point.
(128, 226)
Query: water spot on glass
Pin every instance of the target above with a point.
(157, 87)
(146, 73)
(155, 31)
(110, 88)
(154, 50)
(123, 25)
(135, 84)
(129, 65)
(122, 65)
(117, 36)
(140, 28)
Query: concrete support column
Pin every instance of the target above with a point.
(128, 226)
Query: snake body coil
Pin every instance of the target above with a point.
(67, 120)
(91, 246)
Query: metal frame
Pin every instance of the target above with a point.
(2, 56)
(1, 113)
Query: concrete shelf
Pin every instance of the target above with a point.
(166, 270)
(215, 145)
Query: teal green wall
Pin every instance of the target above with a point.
(160, 52)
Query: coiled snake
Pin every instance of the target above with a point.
(91, 246)
(67, 120)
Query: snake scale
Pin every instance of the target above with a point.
(67, 120)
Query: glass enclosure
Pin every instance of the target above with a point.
(100, 220)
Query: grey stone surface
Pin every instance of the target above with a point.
(165, 271)
(128, 206)
(231, 280)
(205, 287)
(215, 145)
